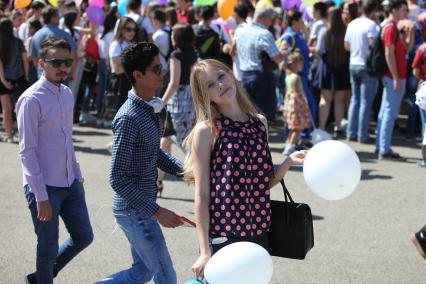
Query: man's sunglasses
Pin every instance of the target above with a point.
(157, 69)
(56, 63)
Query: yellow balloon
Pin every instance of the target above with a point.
(309, 3)
(226, 8)
(19, 4)
(54, 3)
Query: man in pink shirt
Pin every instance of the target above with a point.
(52, 179)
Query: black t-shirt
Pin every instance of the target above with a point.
(187, 58)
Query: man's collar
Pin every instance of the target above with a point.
(140, 101)
(52, 87)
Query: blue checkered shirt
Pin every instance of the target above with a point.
(252, 39)
(136, 154)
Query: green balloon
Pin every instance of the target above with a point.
(204, 2)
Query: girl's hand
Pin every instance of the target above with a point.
(7, 84)
(297, 158)
(199, 265)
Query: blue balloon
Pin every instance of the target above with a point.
(338, 2)
(194, 281)
(122, 7)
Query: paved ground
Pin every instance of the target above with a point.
(362, 239)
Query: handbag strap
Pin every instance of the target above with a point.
(287, 195)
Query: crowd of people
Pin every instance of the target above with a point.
(162, 75)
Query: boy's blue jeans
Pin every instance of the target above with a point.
(69, 204)
(364, 88)
(151, 259)
(389, 109)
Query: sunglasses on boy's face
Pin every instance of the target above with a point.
(157, 69)
(56, 63)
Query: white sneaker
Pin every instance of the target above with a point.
(86, 117)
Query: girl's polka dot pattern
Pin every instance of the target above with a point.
(240, 168)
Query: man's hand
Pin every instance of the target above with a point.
(396, 85)
(44, 211)
(167, 218)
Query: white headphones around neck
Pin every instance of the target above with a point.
(157, 104)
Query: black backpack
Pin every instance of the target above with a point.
(375, 62)
(169, 33)
(207, 43)
(142, 33)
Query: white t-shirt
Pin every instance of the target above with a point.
(316, 28)
(161, 39)
(146, 22)
(357, 35)
(104, 44)
(115, 50)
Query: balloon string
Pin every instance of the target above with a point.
(97, 223)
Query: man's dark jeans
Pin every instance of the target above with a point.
(261, 89)
(68, 203)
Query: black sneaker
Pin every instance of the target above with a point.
(391, 156)
(419, 241)
(30, 279)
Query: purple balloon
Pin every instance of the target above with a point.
(95, 15)
(290, 4)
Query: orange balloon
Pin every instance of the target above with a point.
(19, 4)
(226, 8)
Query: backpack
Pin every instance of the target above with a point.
(142, 33)
(375, 62)
(169, 33)
(207, 43)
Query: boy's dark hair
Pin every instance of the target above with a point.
(48, 13)
(184, 36)
(293, 16)
(396, 4)
(241, 10)
(207, 13)
(36, 24)
(37, 5)
(134, 4)
(159, 15)
(321, 7)
(52, 43)
(138, 57)
(370, 6)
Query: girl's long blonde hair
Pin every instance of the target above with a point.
(206, 110)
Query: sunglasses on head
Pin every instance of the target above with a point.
(56, 63)
(130, 29)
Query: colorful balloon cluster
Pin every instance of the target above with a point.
(290, 4)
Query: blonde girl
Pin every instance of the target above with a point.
(296, 112)
(229, 162)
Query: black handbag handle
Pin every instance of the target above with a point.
(287, 195)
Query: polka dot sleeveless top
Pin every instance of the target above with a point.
(241, 167)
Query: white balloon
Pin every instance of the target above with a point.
(332, 170)
(319, 135)
(241, 262)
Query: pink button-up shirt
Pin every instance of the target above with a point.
(45, 119)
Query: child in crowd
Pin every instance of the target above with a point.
(230, 163)
(296, 110)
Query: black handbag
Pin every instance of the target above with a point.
(291, 233)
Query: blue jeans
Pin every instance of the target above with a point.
(389, 109)
(88, 90)
(69, 204)
(423, 117)
(413, 110)
(261, 89)
(151, 259)
(364, 88)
